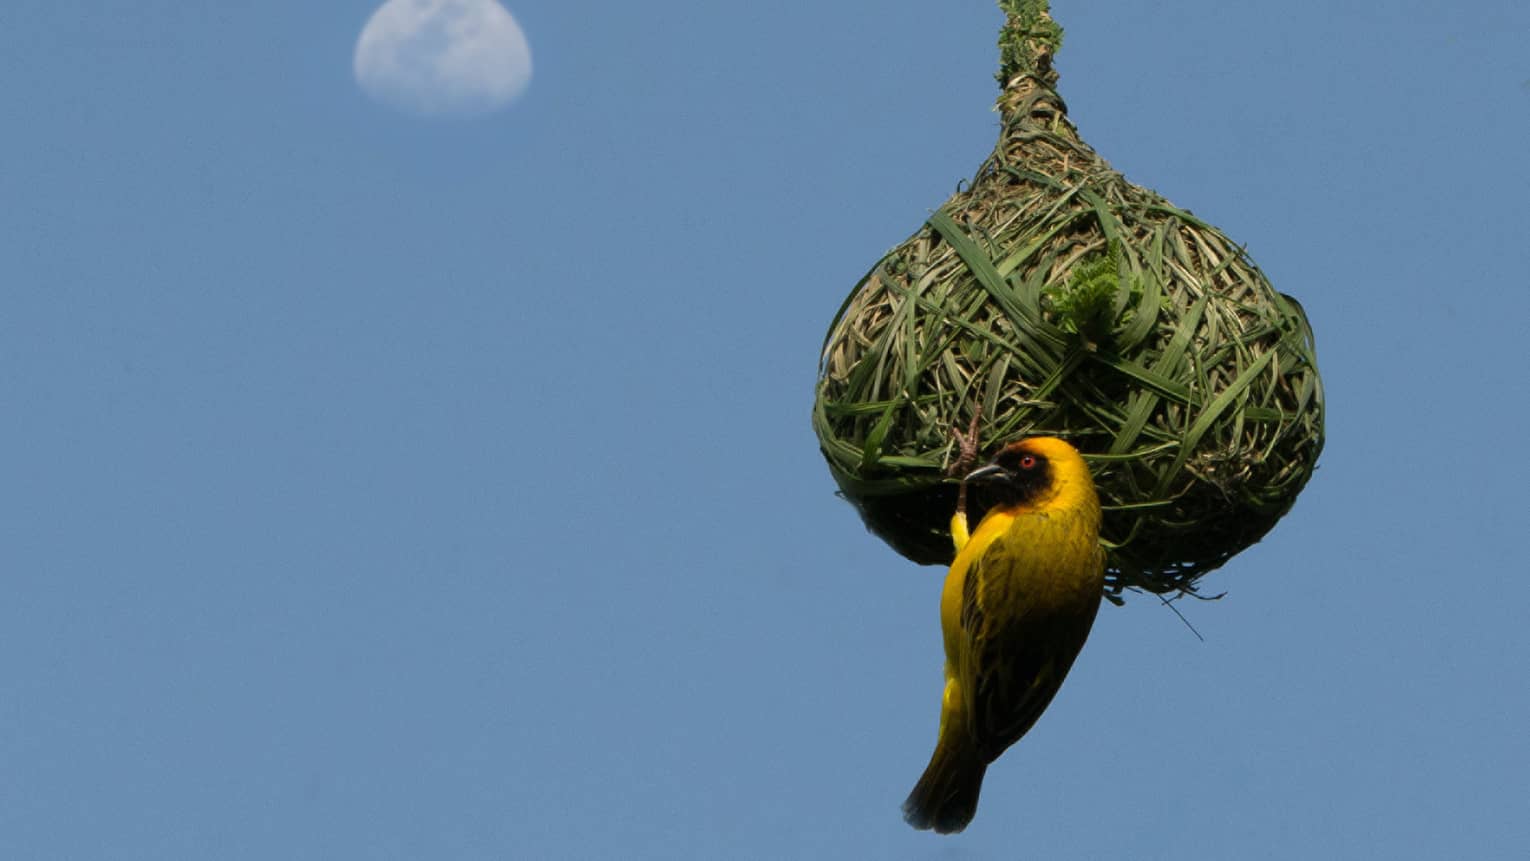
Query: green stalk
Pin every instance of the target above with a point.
(1028, 42)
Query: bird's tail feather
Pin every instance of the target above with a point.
(946, 796)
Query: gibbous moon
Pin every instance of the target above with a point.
(443, 57)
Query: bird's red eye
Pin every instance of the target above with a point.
(1028, 461)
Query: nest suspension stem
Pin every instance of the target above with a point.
(1028, 41)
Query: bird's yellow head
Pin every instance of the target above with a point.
(1038, 474)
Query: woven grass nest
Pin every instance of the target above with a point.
(1051, 296)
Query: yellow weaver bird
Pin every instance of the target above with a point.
(1016, 608)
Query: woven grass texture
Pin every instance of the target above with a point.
(1052, 296)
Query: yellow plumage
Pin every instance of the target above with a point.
(1017, 606)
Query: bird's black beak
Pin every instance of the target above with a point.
(987, 473)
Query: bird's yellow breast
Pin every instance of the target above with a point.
(1031, 561)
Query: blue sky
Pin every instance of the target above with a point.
(376, 487)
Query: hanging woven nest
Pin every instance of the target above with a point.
(1054, 297)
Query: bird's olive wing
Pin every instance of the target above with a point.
(1020, 650)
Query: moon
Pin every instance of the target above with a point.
(443, 57)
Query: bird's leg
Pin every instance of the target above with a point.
(967, 446)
